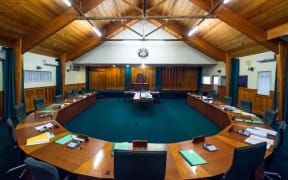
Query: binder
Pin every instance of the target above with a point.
(192, 157)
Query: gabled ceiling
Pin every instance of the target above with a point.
(50, 27)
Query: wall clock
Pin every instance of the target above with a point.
(143, 52)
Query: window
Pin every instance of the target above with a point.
(206, 80)
(216, 80)
(37, 76)
(264, 82)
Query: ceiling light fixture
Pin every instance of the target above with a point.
(67, 2)
(225, 1)
(193, 30)
(96, 31)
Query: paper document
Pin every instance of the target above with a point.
(257, 132)
(44, 127)
(268, 131)
(256, 139)
(192, 157)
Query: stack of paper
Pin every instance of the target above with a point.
(39, 139)
(256, 132)
(268, 131)
(252, 139)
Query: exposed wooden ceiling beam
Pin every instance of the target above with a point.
(94, 41)
(56, 24)
(277, 31)
(239, 23)
(194, 41)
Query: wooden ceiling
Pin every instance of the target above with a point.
(50, 27)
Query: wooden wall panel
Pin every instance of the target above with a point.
(1, 105)
(78, 86)
(179, 78)
(107, 78)
(221, 92)
(148, 72)
(30, 93)
(259, 102)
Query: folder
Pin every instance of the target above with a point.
(39, 139)
(65, 139)
(192, 157)
(120, 146)
(254, 121)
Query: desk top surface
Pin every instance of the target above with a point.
(93, 158)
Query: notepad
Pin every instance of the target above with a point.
(254, 121)
(192, 157)
(120, 146)
(65, 139)
(39, 139)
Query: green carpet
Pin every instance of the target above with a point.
(170, 120)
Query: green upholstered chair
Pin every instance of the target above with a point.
(140, 165)
(245, 161)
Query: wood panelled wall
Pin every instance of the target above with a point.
(221, 90)
(179, 78)
(107, 78)
(69, 87)
(1, 105)
(148, 72)
(259, 102)
(30, 93)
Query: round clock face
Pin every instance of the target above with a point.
(143, 52)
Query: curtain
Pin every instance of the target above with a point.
(275, 98)
(127, 77)
(158, 79)
(286, 97)
(59, 89)
(87, 77)
(234, 76)
(9, 83)
(199, 82)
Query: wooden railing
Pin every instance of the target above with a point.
(30, 93)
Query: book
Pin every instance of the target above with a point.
(192, 157)
(120, 146)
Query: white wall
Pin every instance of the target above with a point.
(245, 62)
(251, 61)
(75, 77)
(160, 52)
(31, 61)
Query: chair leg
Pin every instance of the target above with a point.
(273, 174)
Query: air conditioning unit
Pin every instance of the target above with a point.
(74, 67)
(2, 53)
(49, 62)
(267, 58)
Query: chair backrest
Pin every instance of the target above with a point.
(58, 98)
(69, 94)
(75, 92)
(245, 161)
(280, 136)
(11, 129)
(19, 112)
(39, 103)
(140, 78)
(227, 100)
(270, 116)
(246, 105)
(140, 165)
(41, 170)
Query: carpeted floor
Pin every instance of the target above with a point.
(170, 120)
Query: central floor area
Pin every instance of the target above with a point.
(167, 121)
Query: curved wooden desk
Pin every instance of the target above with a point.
(93, 160)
